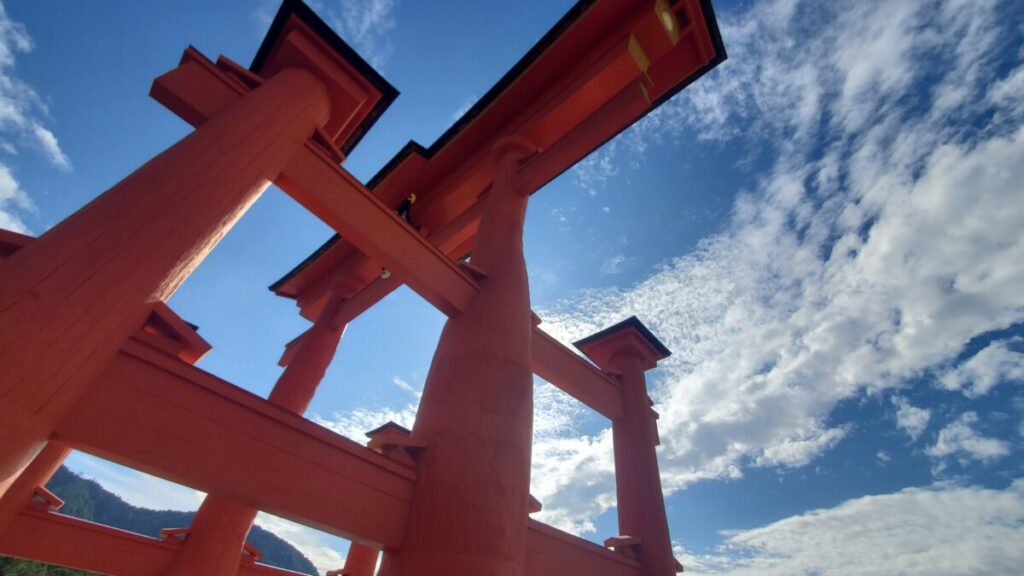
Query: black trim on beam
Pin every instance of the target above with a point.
(511, 76)
(549, 38)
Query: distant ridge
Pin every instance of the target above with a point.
(87, 500)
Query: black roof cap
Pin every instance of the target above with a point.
(631, 322)
(507, 80)
(387, 425)
(304, 13)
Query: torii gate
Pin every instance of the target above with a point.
(91, 359)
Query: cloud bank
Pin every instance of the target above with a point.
(939, 530)
(883, 236)
(22, 115)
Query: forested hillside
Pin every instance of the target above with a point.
(88, 500)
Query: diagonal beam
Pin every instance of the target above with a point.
(164, 417)
(327, 190)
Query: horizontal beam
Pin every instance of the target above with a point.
(327, 190)
(551, 552)
(164, 417)
(61, 540)
(560, 366)
(73, 543)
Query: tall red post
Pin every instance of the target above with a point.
(360, 561)
(628, 349)
(71, 298)
(36, 474)
(217, 535)
(297, 385)
(469, 509)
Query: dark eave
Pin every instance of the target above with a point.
(631, 322)
(495, 93)
(306, 15)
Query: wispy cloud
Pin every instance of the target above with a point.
(884, 236)
(996, 363)
(354, 424)
(962, 440)
(366, 25)
(910, 418)
(614, 265)
(320, 548)
(464, 107)
(405, 386)
(22, 114)
(939, 530)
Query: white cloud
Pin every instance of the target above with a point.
(884, 236)
(994, 364)
(942, 530)
(961, 439)
(22, 113)
(320, 548)
(614, 265)
(910, 418)
(365, 25)
(593, 172)
(354, 424)
(405, 386)
(462, 109)
(798, 452)
(49, 144)
(12, 196)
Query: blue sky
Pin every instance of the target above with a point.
(827, 232)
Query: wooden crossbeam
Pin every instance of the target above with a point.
(342, 202)
(61, 540)
(161, 416)
(551, 552)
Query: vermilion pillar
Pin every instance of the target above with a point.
(36, 474)
(361, 560)
(218, 531)
(71, 298)
(297, 385)
(469, 509)
(628, 349)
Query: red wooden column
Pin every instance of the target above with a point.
(360, 561)
(71, 298)
(36, 474)
(219, 530)
(469, 510)
(297, 385)
(628, 349)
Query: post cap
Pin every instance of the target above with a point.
(298, 38)
(630, 335)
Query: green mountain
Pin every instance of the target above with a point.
(88, 500)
